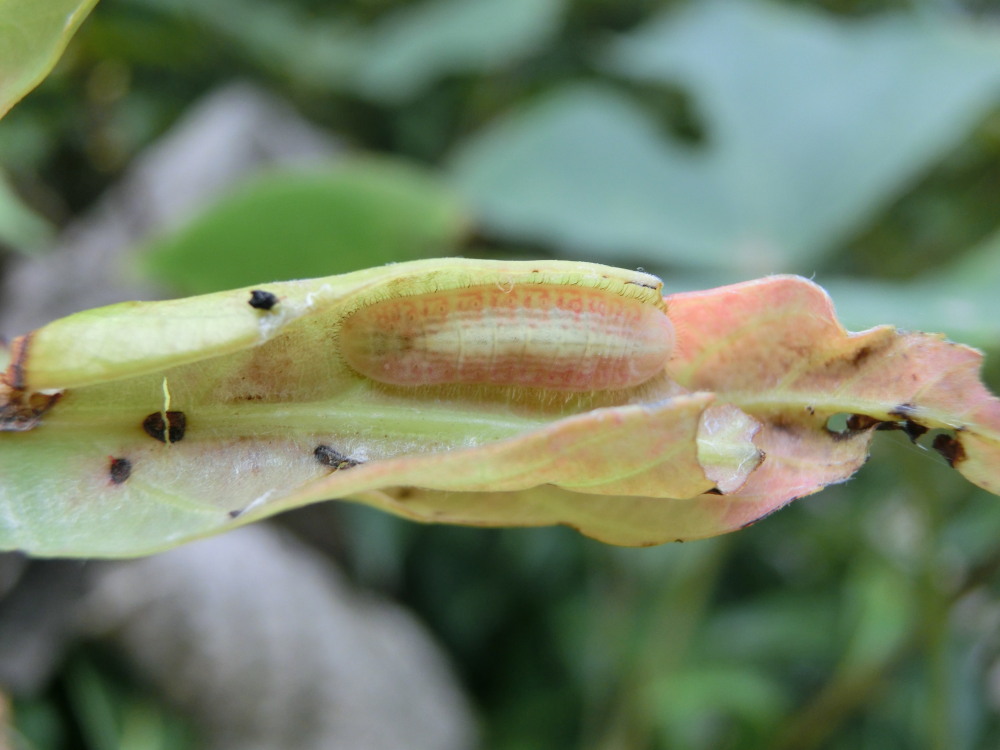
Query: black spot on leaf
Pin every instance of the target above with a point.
(170, 430)
(261, 300)
(914, 430)
(120, 470)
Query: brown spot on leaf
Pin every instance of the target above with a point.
(784, 424)
(336, 461)
(235, 513)
(261, 300)
(14, 377)
(949, 447)
(268, 373)
(914, 430)
(861, 355)
(170, 430)
(843, 363)
(853, 426)
(859, 422)
(20, 411)
(119, 470)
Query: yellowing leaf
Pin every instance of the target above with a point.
(492, 393)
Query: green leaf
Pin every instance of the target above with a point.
(314, 50)
(811, 125)
(421, 43)
(392, 60)
(298, 223)
(116, 716)
(585, 169)
(33, 34)
(20, 227)
(691, 699)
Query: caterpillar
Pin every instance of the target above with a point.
(543, 335)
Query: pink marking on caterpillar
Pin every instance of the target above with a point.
(563, 337)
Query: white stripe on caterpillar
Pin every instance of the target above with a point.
(543, 335)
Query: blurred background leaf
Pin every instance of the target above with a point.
(32, 37)
(804, 127)
(419, 44)
(20, 227)
(959, 300)
(311, 222)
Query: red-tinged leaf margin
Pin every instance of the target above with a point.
(775, 348)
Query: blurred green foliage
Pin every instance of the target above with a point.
(707, 142)
(19, 226)
(33, 35)
(316, 221)
(94, 705)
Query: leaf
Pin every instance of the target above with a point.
(793, 159)
(959, 300)
(135, 427)
(393, 59)
(337, 219)
(584, 168)
(775, 349)
(33, 34)
(20, 227)
(316, 51)
(420, 43)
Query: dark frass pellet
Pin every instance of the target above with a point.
(261, 300)
(170, 430)
(120, 470)
(329, 457)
